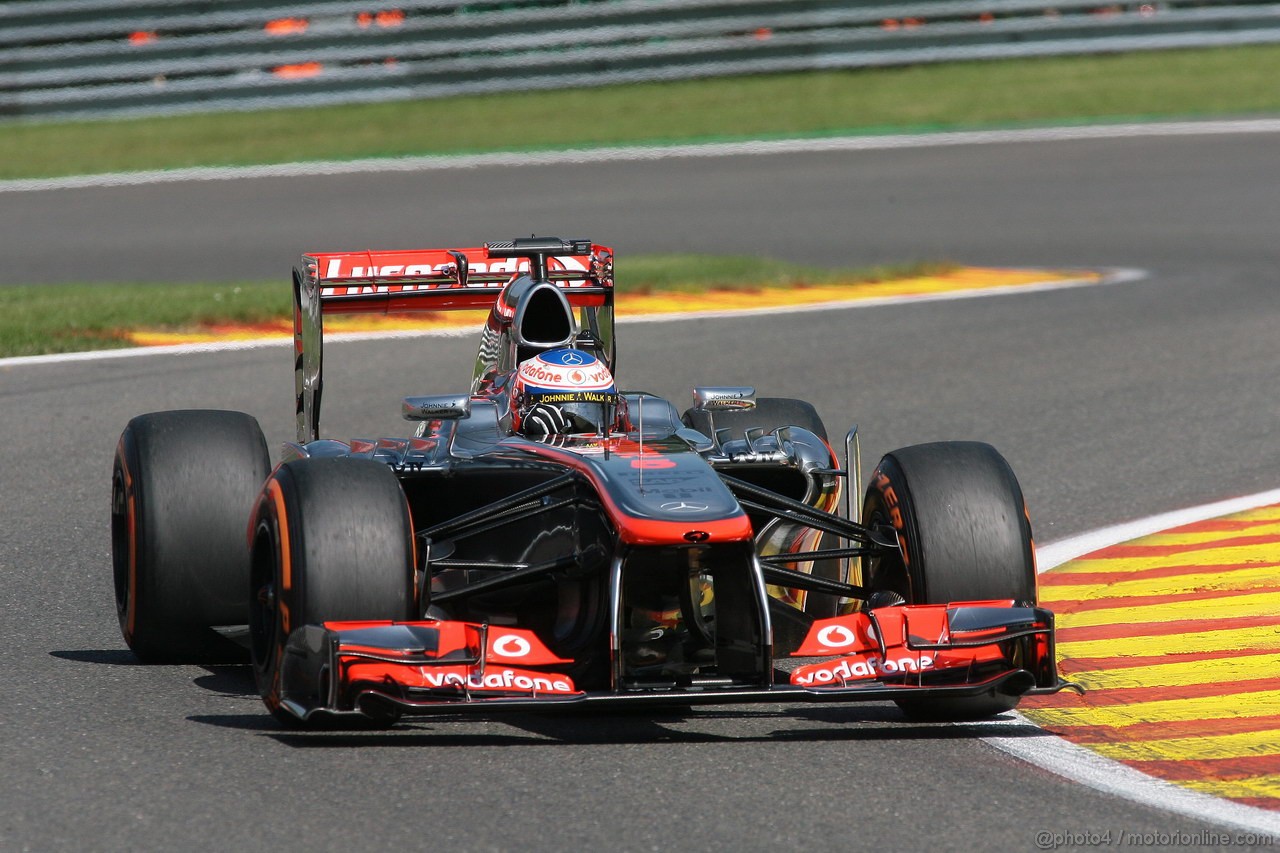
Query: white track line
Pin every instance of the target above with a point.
(220, 346)
(1085, 767)
(1116, 276)
(647, 152)
(1060, 552)
(1089, 768)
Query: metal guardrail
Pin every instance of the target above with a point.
(64, 59)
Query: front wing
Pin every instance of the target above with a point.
(915, 653)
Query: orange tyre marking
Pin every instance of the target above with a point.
(286, 552)
(131, 516)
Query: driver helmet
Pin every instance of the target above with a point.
(563, 392)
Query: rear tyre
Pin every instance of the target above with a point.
(332, 540)
(182, 488)
(965, 536)
(769, 414)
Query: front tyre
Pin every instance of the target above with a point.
(965, 536)
(331, 540)
(183, 485)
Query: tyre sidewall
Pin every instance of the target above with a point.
(964, 534)
(961, 521)
(335, 540)
(769, 413)
(183, 485)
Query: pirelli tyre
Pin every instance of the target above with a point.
(331, 540)
(768, 414)
(965, 536)
(182, 487)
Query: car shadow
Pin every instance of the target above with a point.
(544, 732)
(232, 679)
(612, 726)
(105, 657)
(229, 680)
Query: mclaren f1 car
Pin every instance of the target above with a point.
(542, 539)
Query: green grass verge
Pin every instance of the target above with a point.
(700, 273)
(49, 318)
(53, 318)
(1164, 84)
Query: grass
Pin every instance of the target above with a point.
(1165, 84)
(700, 273)
(54, 318)
(51, 318)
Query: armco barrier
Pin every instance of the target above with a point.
(89, 58)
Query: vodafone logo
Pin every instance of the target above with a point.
(539, 372)
(836, 637)
(511, 646)
(553, 376)
(854, 668)
(506, 680)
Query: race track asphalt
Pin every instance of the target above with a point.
(1111, 403)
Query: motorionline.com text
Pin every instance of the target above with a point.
(1047, 840)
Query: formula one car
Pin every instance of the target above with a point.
(543, 540)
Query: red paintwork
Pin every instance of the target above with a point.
(634, 530)
(902, 630)
(509, 654)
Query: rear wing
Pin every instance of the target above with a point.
(450, 279)
(424, 280)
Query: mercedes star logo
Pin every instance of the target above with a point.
(683, 506)
(571, 358)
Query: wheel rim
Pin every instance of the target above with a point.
(885, 572)
(121, 544)
(263, 598)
